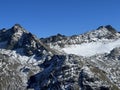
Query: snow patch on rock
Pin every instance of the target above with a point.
(93, 48)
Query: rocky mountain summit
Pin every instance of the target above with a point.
(89, 61)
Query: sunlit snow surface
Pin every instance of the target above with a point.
(93, 48)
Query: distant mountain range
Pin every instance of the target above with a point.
(90, 61)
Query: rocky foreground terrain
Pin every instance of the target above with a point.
(89, 61)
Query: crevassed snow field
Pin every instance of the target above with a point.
(90, 49)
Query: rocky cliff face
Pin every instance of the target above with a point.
(29, 63)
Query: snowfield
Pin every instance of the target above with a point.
(93, 48)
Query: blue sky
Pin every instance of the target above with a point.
(49, 17)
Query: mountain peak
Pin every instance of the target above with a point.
(17, 25)
(18, 28)
(18, 38)
(108, 27)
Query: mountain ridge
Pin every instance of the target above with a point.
(90, 61)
